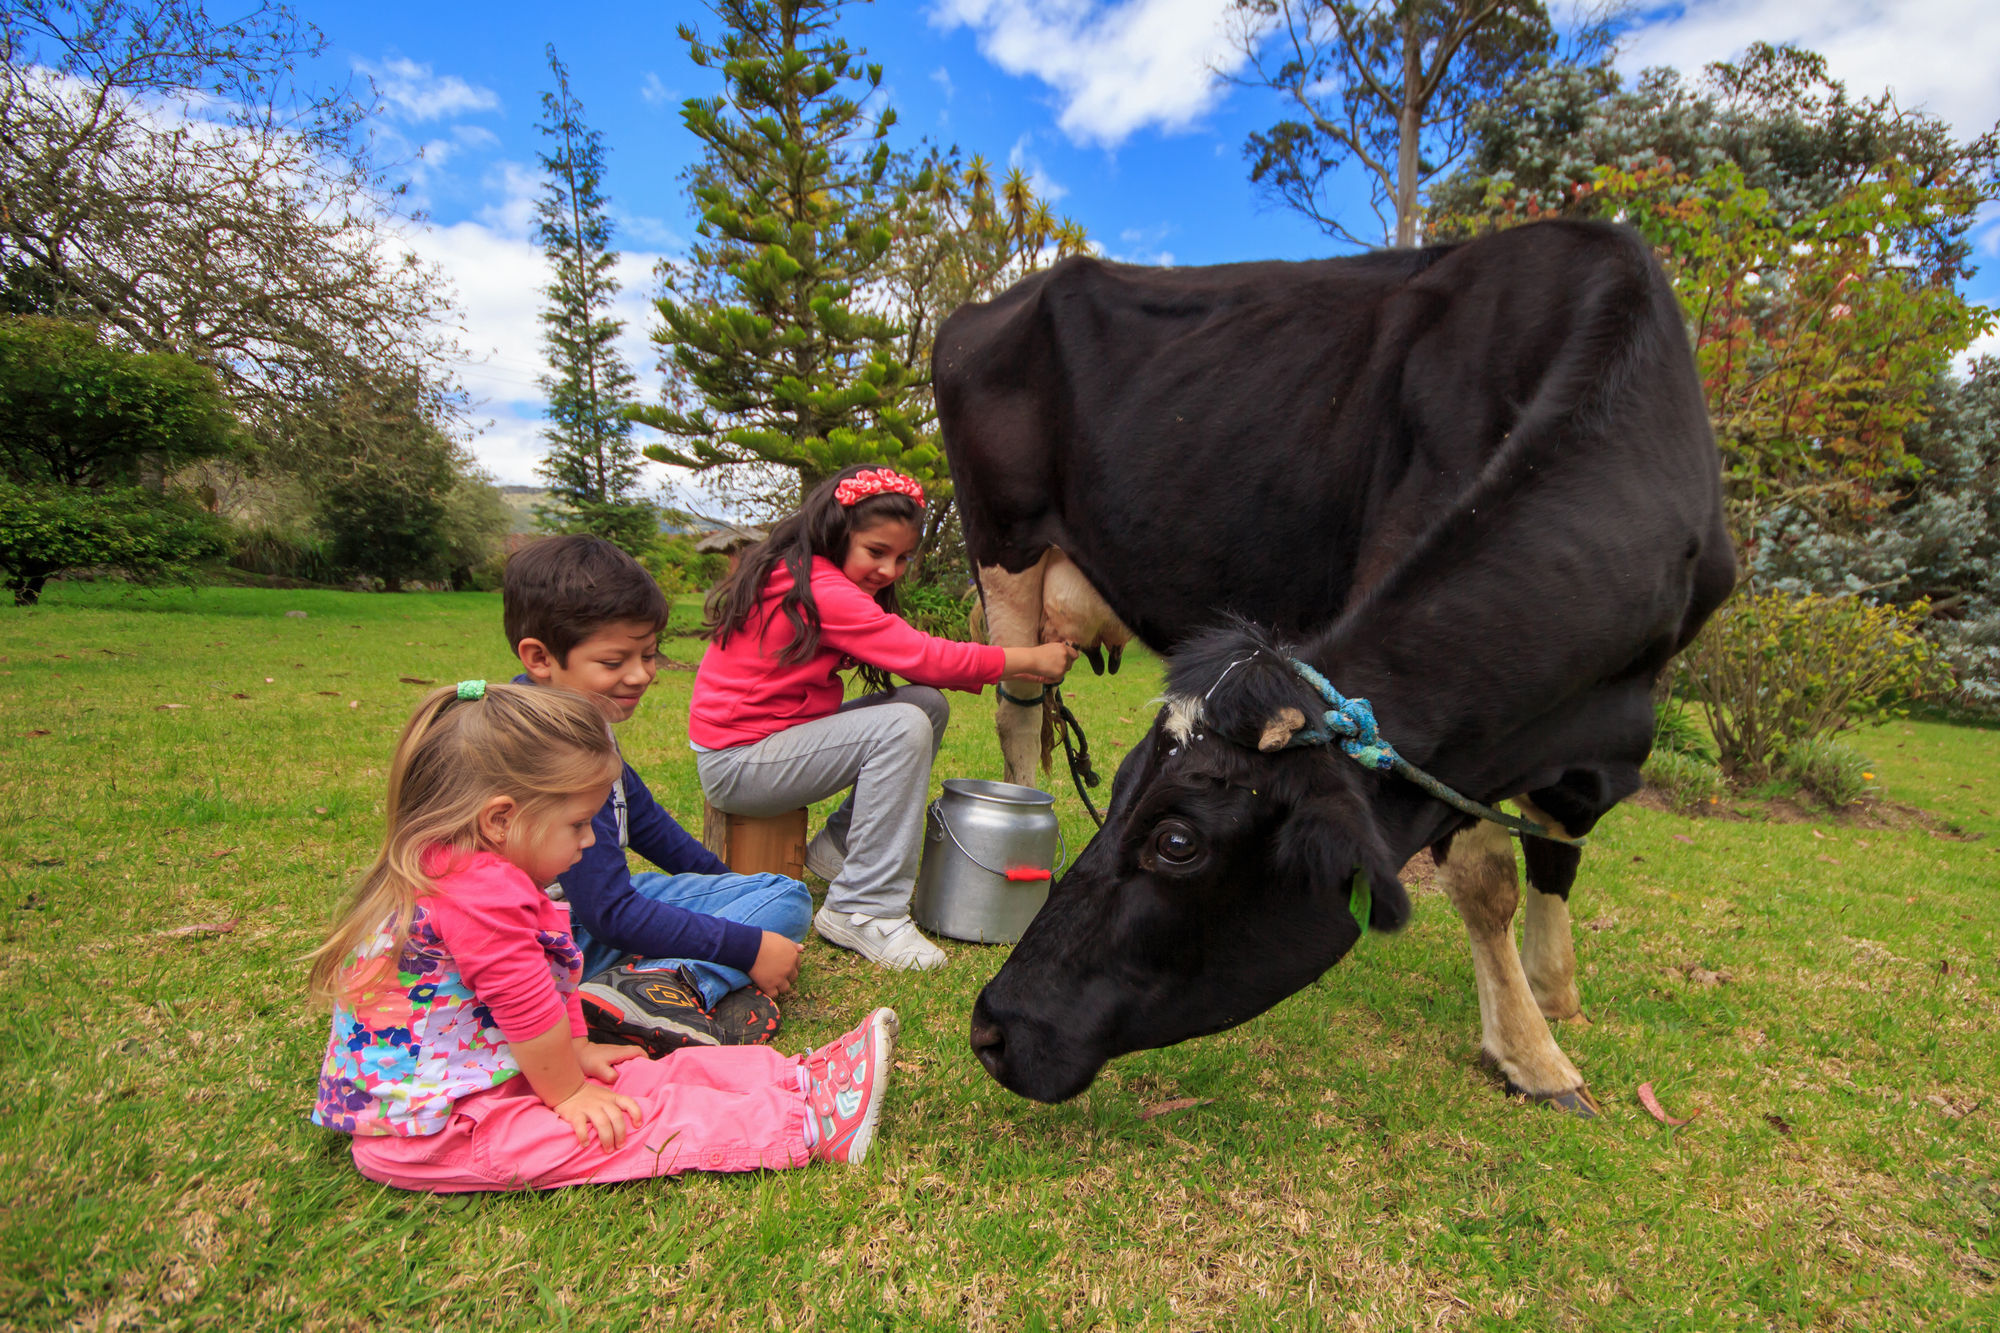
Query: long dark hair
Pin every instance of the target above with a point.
(822, 526)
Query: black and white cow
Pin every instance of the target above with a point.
(1473, 484)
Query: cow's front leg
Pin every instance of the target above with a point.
(1013, 605)
(1548, 944)
(1478, 875)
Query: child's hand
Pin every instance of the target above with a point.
(777, 965)
(597, 1059)
(1046, 663)
(594, 1106)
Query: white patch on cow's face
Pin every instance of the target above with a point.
(1183, 717)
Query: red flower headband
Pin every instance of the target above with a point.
(876, 481)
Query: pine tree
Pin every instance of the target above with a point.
(772, 354)
(592, 465)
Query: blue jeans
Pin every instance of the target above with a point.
(768, 902)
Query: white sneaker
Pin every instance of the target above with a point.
(887, 941)
(824, 857)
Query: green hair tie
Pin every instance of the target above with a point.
(472, 689)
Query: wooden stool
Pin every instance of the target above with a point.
(750, 846)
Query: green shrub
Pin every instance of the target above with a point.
(1832, 770)
(262, 549)
(935, 609)
(1676, 730)
(1772, 671)
(1689, 782)
(45, 530)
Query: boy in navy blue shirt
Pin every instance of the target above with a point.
(696, 955)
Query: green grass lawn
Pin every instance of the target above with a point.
(1825, 992)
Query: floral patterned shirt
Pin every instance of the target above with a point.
(488, 955)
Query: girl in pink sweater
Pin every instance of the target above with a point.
(458, 1058)
(816, 597)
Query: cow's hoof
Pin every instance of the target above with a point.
(1577, 1101)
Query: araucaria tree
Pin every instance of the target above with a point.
(1382, 84)
(773, 353)
(592, 465)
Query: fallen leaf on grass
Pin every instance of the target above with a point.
(36, 732)
(205, 928)
(1778, 1122)
(1955, 1107)
(1655, 1110)
(1682, 837)
(161, 708)
(415, 680)
(334, 693)
(239, 696)
(226, 851)
(1168, 1108)
(354, 703)
(270, 680)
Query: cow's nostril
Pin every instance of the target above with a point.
(989, 1043)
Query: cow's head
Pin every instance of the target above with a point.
(1218, 885)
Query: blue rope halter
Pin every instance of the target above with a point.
(1350, 723)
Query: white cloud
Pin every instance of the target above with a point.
(498, 272)
(1116, 67)
(942, 78)
(1940, 55)
(413, 92)
(653, 92)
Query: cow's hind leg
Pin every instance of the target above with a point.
(1479, 876)
(1014, 619)
(1548, 948)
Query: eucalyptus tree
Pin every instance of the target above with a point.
(1383, 85)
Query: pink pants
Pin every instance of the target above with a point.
(708, 1108)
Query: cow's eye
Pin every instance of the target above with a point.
(1175, 844)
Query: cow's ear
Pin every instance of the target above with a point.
(1327, 842)
(1279, 729)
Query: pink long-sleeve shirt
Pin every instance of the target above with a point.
(743, 693)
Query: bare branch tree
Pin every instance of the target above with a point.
(166, 176)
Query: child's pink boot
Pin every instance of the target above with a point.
(845, 1082)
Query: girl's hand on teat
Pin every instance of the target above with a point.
(596, 1107)
(777, 966)
(1045, 663)
(597, 1060)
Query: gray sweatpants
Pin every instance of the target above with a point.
(880, 745)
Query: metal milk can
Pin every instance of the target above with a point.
(990, 851)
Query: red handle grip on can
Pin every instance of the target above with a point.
(1019, 873)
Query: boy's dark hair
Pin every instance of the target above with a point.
(822, 526)
(561, 590)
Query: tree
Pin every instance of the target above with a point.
(77, 412)
(1384, 84)
(149, 537)
(164, 176)
(1814, 241)
(592, 466)
(773, 351)
(963, 237)
(1936, 542)
(80, 424)
(382, 479)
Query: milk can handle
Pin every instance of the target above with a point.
(1018, 872)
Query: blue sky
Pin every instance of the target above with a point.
(1116, 108)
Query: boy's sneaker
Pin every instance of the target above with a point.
(659, 1010)
(824, 856)
(845, 1082)
(747, 1017)
(887, 941)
